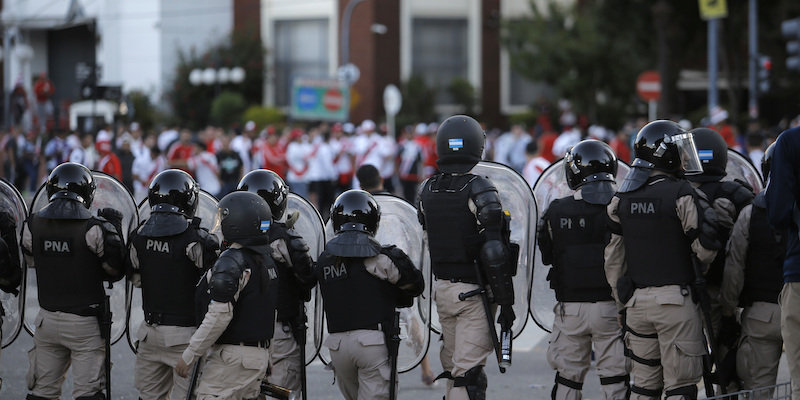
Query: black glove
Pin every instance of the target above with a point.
(506, 317)
(729, 331)
(113, 216)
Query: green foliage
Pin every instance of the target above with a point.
(227, 108)
(142, 111)
(419, 102)
(192, 104)
(582, 50)
(463, 94)
(263, 116)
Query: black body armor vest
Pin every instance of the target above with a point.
(452, 228)
(657, 251)
(69, 275)
(354, 298)
(254, 311)
(579, 239)
(763, 272)
(290, 292)
(168, 276)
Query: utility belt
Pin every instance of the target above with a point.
(263, 344)
(158, 318)
(626, 286)
(467, 279)
(91, 310)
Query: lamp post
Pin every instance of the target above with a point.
(212, 76)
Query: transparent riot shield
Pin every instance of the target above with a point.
(552, 185)
(399, 227)
(741, 168)
(207, 212)
(516, 198)
(13, 204)
(110, 193)
(309, 225)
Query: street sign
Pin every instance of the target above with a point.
(320, 99)
(713, 9)
(392, 99)
(648, 86)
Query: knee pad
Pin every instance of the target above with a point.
(654, 393)
(560, 380)
(474, 381)
(688, 392)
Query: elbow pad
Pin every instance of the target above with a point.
(114, 251)
(411, 280)
(487, 202)
(224, 282)
(210, 248)
(494, 258)
(708, 226)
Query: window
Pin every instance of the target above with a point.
(301, 50)
(439, 53)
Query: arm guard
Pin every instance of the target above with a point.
(210, 248)
(494, 260)
(545, 241)
(708, 226)
(494, 254)
(225, 275)
(301, 259)
(411, 283)
(114, 250)
(11, 273)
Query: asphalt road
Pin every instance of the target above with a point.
(530, 376)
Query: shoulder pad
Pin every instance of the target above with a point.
(164, 224)
(277, 231)
(353, 244)
(737, 193)
(225, 275)
(481, 184)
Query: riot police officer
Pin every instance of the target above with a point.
(727, 197)
(753, 278)
(290, 252)
(237, 299)
(572, 237)
(73, 252)
(658, 225)
(463, 217)
(10, 266)
(169, 253)
(362, 283)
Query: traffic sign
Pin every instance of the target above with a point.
(392, 99)
(648, 86)
(319, 99)
(348, 73)
(713, 9)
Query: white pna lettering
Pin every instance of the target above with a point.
(157, 245)
(643, 208)
(56, 245)
(333, 271)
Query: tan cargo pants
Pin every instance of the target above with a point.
(284, 358)
(159, 349)
(233, 372)
(760, 346)
(790, 330)
(466, 342)
(61, 340)
(576, 329)
(360, 362)
(669, 313)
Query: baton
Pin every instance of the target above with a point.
(481, 290)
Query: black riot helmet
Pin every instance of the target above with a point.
(174, 191)
(245, 218)
(355, 210)
(589, 161)
(459, 144)
(270, 187)
(713, 154)
(666, 146)
(767, 161)
(71, 181)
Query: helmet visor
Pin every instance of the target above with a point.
(690, 160)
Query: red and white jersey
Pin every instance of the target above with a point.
(340, 148)
(206, 171)
(297, 161)
(272, 157)
(533, 169)
(320, 162)
(242, 145)
(144, 170)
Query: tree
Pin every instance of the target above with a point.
(192, 104)
(590, 52)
